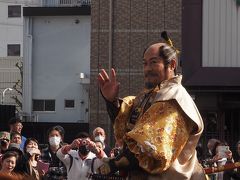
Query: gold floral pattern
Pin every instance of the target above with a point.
(158, 136)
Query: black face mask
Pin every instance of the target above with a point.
(83, 150)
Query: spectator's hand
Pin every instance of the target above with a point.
(229, 154)
(76, 143)
(92, 147)
(4, 143)
(41, 173)
(109, 86)
(216, 158)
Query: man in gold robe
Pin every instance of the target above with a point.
(160, 127)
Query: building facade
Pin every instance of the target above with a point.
(56, 67)
(205, 31)
(11, 26)
(121, 30)
(211, 59)
(11, 50)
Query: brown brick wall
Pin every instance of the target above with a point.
(136, 24)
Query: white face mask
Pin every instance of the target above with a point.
(54, 141)
(29, 149)
(100, 138)
(32, 151)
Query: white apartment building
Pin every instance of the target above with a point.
(56, 65)
(11, 26)
(11, 49)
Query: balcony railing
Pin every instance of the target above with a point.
(65, 3)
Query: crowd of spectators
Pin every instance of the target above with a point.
(22, 158)
(219, 156)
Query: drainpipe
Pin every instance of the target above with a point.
(27, 67)
(110, 63)
(110, 35)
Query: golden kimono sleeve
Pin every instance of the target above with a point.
(159, 136)
(120, 122)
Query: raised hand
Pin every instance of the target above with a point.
(109, 85)
(92, 147)
(76, 143)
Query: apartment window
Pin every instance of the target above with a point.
(14, 11)
(69, 103)
(238, 2)
(13, 49)
(43, 105)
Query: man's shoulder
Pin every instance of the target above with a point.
(172, 91)
(24, 138)
(73, 153)
(91, 155)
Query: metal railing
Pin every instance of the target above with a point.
(65, 3)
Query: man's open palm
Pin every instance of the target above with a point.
(109, 85)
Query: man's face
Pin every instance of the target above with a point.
(17, 127)
(83, 149)
(99, 132)
(16, 139)
(154, 68)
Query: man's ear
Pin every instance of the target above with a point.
(173, 64)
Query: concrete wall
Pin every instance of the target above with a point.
(60, 51)
(221, 34)
(11, 28)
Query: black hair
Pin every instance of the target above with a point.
(58, 128)
(9, 154)
(83, 135)
(14, 120)
(13, 134)
(167, 53)
(27, 142)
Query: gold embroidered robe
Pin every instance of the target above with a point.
(164, 136)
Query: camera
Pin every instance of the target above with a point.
(84, 142)
(116, 152)
(3, 142)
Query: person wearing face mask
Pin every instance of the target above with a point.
(79, 156)
(56, 170)
(100, 135)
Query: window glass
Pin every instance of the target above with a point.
(13, 49)
(69, 103)
(43, 105)
(14, 11)
(49, 105)
(38, 105)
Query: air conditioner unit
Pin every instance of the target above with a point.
(30, 118)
